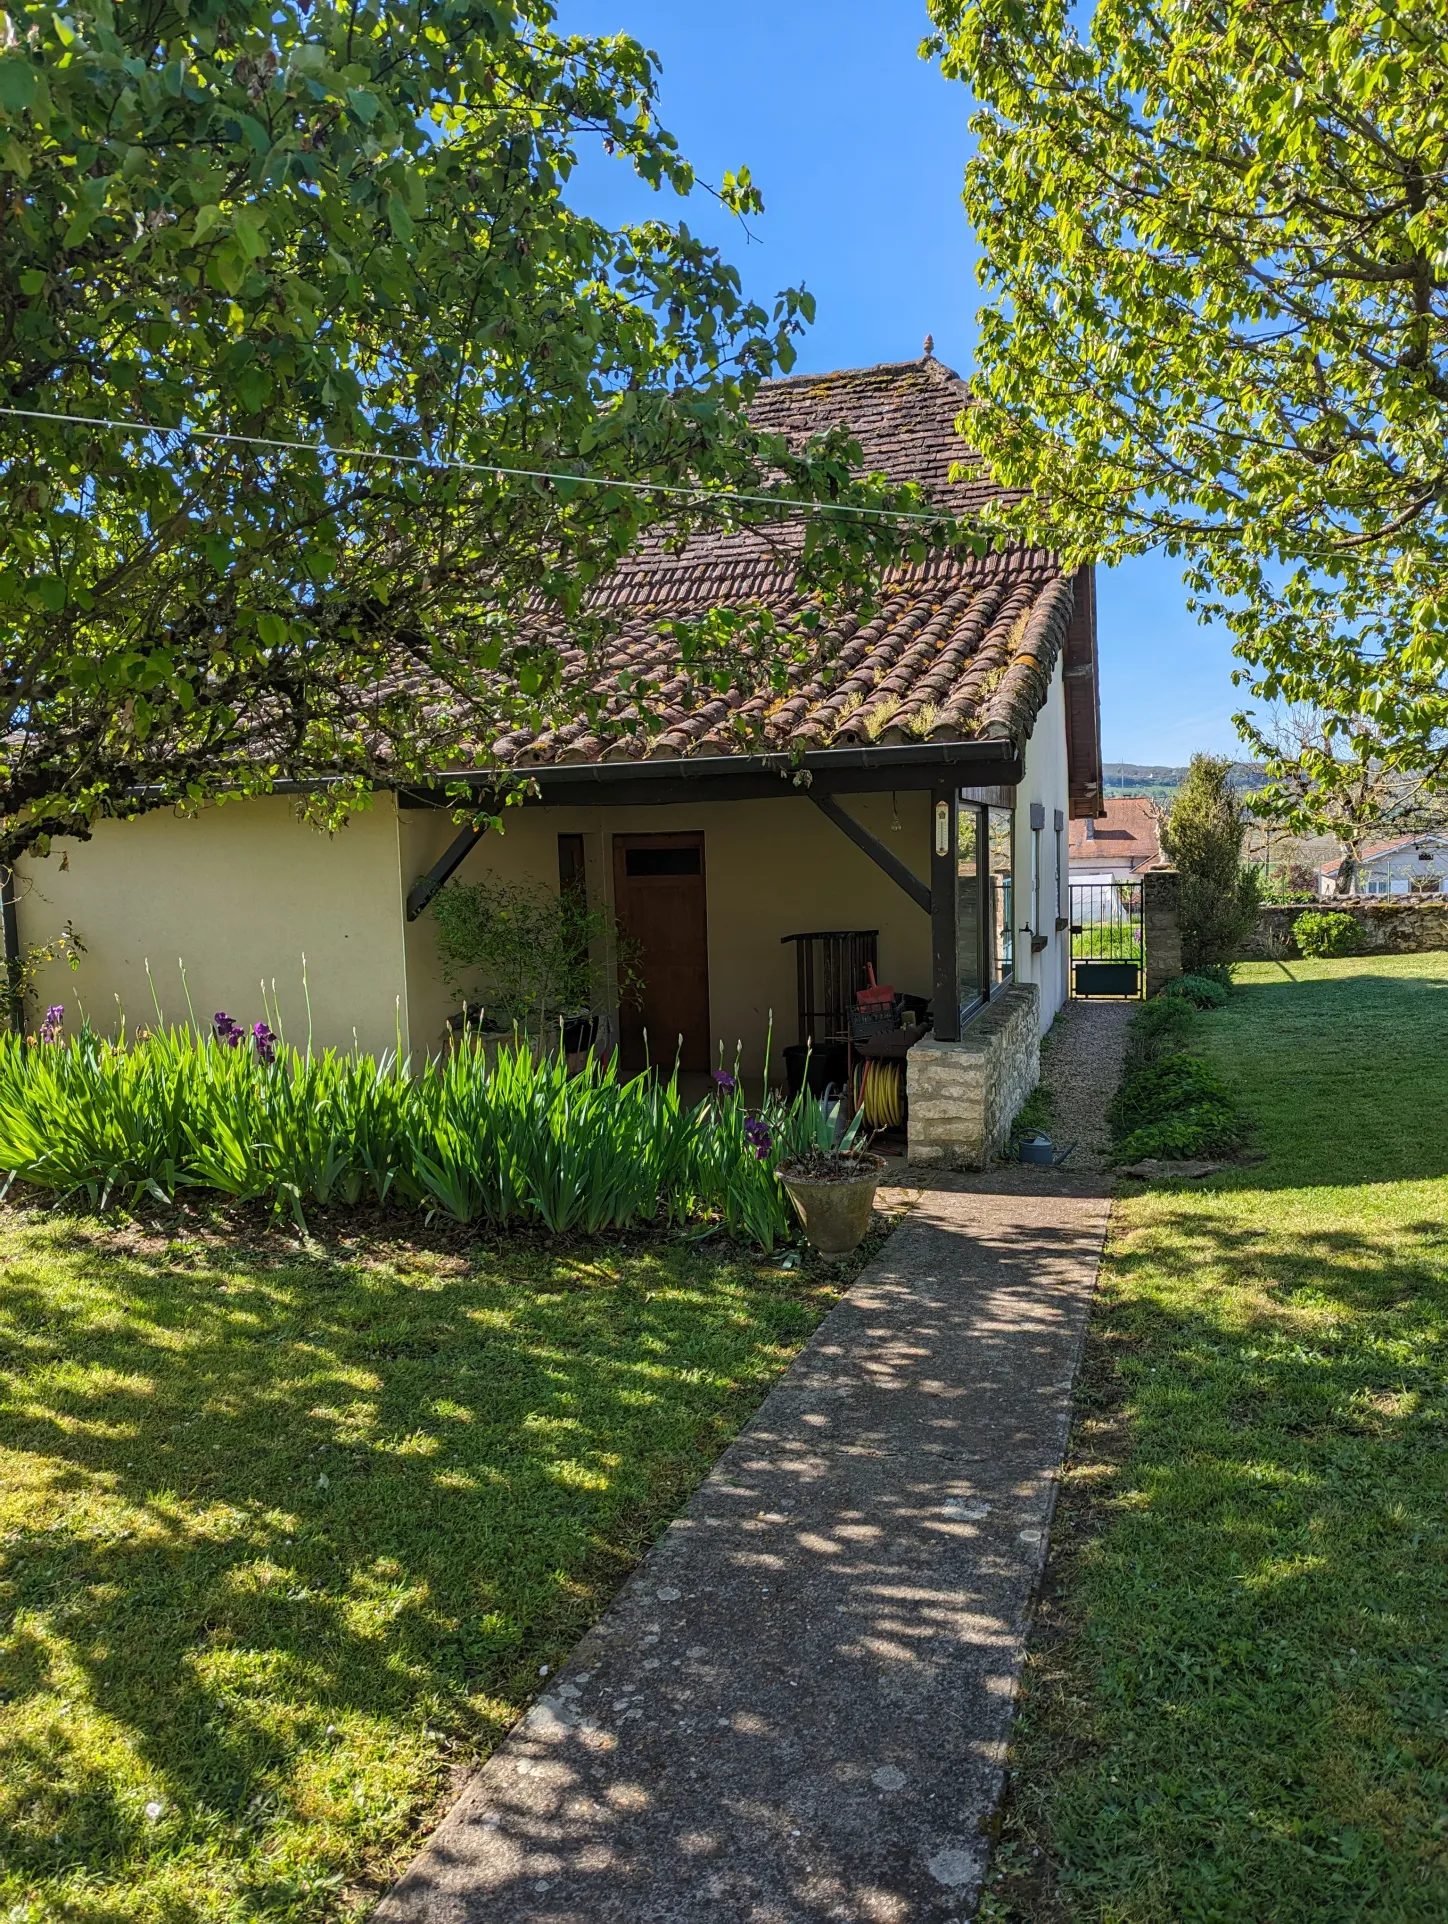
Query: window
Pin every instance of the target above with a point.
(984, 905)
(1060, 865)
(1000, 834)
(662, 861)
(1375, 885)
(970, 973)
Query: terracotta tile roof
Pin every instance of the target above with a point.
(959, 648)
(1128, 831)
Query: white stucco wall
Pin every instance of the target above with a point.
(1044, 779)
(236, 896)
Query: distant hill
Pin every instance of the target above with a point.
(1160, 784)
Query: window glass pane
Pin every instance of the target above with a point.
(1003, 908)
(661, 861)
(968, 906)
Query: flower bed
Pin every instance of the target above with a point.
(519, 1139)
(1171, 1104)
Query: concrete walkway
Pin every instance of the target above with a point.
(797, 1709)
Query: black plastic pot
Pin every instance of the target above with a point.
(828, 1063)
(578, 1033)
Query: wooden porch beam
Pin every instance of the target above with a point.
(443, 869)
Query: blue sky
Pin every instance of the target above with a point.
(858, 147)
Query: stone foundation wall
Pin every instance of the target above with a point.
(964, 1095)
(1394, 925)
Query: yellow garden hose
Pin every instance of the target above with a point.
(882, 1094)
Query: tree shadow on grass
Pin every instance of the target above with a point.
(285, 1516)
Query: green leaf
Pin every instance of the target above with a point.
(18, 84)
(250, 236)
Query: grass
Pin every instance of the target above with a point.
(1236, 1706)
(288, 1532)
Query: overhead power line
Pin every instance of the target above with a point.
(443, 464)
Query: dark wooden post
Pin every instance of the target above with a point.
(944, 875)
(14, 962)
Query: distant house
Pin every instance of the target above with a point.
(1411, 865)
(1118, 844)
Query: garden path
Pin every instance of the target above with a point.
(1081, 1066)
(797, 1708)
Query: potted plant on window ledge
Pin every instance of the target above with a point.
(528, 964)
(832, 1185)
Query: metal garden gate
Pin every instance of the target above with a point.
(1108, 939)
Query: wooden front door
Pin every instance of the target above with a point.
(658, 893)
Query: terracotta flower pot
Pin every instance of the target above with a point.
(835, 1210)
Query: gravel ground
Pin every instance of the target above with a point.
(1081, 1066)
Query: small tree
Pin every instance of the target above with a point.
(527, 956)
(1332, 773)
(1203, 837)
(376, 378)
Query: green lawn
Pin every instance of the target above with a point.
(1237, 1704)
(287, 1537)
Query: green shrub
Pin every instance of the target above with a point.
(1169, 1016)
(1172, 1082)
(516, 1139)
(1201, 1129)
(1324, 932)
(1173, 1104)
(1202, 991)
(1159, 1028)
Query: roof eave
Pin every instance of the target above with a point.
(973, 764)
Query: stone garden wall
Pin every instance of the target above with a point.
(1396, 925)
(965, 1095)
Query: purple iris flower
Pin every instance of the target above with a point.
(54, 1019)
(230, 1034)
(725, 1082)
(266, 1042)
(759, 1136)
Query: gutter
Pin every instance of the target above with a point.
(699, 777)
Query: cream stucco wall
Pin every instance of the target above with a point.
(238, 894)
(1044, 779)
(771, 867)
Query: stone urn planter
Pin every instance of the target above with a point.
(834, 1193)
